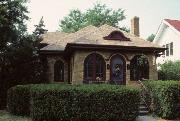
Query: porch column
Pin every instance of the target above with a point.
(127, 73)
(50, 69)
(153, 74)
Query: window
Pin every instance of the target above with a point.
(94, 68)
(163, 53)
(59, 71)
(171, 48)
(167, 51)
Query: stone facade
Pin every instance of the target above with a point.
(51, 60)
(74, 70)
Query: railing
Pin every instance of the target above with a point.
(94, 82)
(144, 93)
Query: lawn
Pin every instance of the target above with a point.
(5, 116)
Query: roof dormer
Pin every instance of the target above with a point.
(116, 35)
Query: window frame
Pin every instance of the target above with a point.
(97, 60)
(171, 48)
(167, 51)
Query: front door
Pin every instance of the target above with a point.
(117, 71)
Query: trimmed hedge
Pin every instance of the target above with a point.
(18, 100)
(56, 102)
(164, 95)
(85, 102)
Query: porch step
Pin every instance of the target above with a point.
(143, 113)
(143, 110)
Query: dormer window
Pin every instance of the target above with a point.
(116, 35)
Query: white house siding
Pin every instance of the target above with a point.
(167, 36)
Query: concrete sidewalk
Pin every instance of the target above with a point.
(146, 118)
(151, 118)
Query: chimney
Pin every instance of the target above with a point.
(135, 26)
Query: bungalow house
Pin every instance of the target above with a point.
(99, 54)
(168, 35)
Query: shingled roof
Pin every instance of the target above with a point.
(174, 23)
(92, 35)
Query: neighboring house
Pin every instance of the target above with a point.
(168, 36)
(98, 54)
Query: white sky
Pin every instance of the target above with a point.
(151, 12)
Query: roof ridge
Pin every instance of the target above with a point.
(173, 23)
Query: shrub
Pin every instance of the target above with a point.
(164, 97)
(18, 100)
(169, 71)
(85, 102)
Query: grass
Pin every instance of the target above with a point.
(5, 116)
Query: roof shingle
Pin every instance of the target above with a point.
(174, 23)
(94, 35)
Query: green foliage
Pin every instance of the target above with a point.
(164, 95)
(19, 61)
(142, 61)
(97, 16)
(151, 37)
(13, 36)
(18, 100)
(39, 30)
(84, 102)
(169, 70)
(56, 102)
(73, 22)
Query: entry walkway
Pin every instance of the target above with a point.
(146, 118)
(150, 118)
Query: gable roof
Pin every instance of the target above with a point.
(53, 37)
(92, 35)
(174, 23)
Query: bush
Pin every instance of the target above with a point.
(169, 71)
(86, 102)
(18, 100)
(164, 95)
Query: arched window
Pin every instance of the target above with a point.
(94, 68)
(118, 69)
(59, 71)
(139, 68)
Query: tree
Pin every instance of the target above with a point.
(97, 16)
(18, 57)
(169, 70)
(13, 32)
(151, 37)
(39, 30)
(73, 22)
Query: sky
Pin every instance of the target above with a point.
(150, 12)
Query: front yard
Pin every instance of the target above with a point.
(5, 116)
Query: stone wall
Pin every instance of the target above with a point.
(51, 60)
(77, 65)
(79, 57)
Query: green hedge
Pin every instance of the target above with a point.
(84, 103)
(18, 100)
(164, 95)
(170, 70)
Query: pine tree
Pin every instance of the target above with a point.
(40, 28)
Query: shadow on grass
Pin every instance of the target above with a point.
(5, 116)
